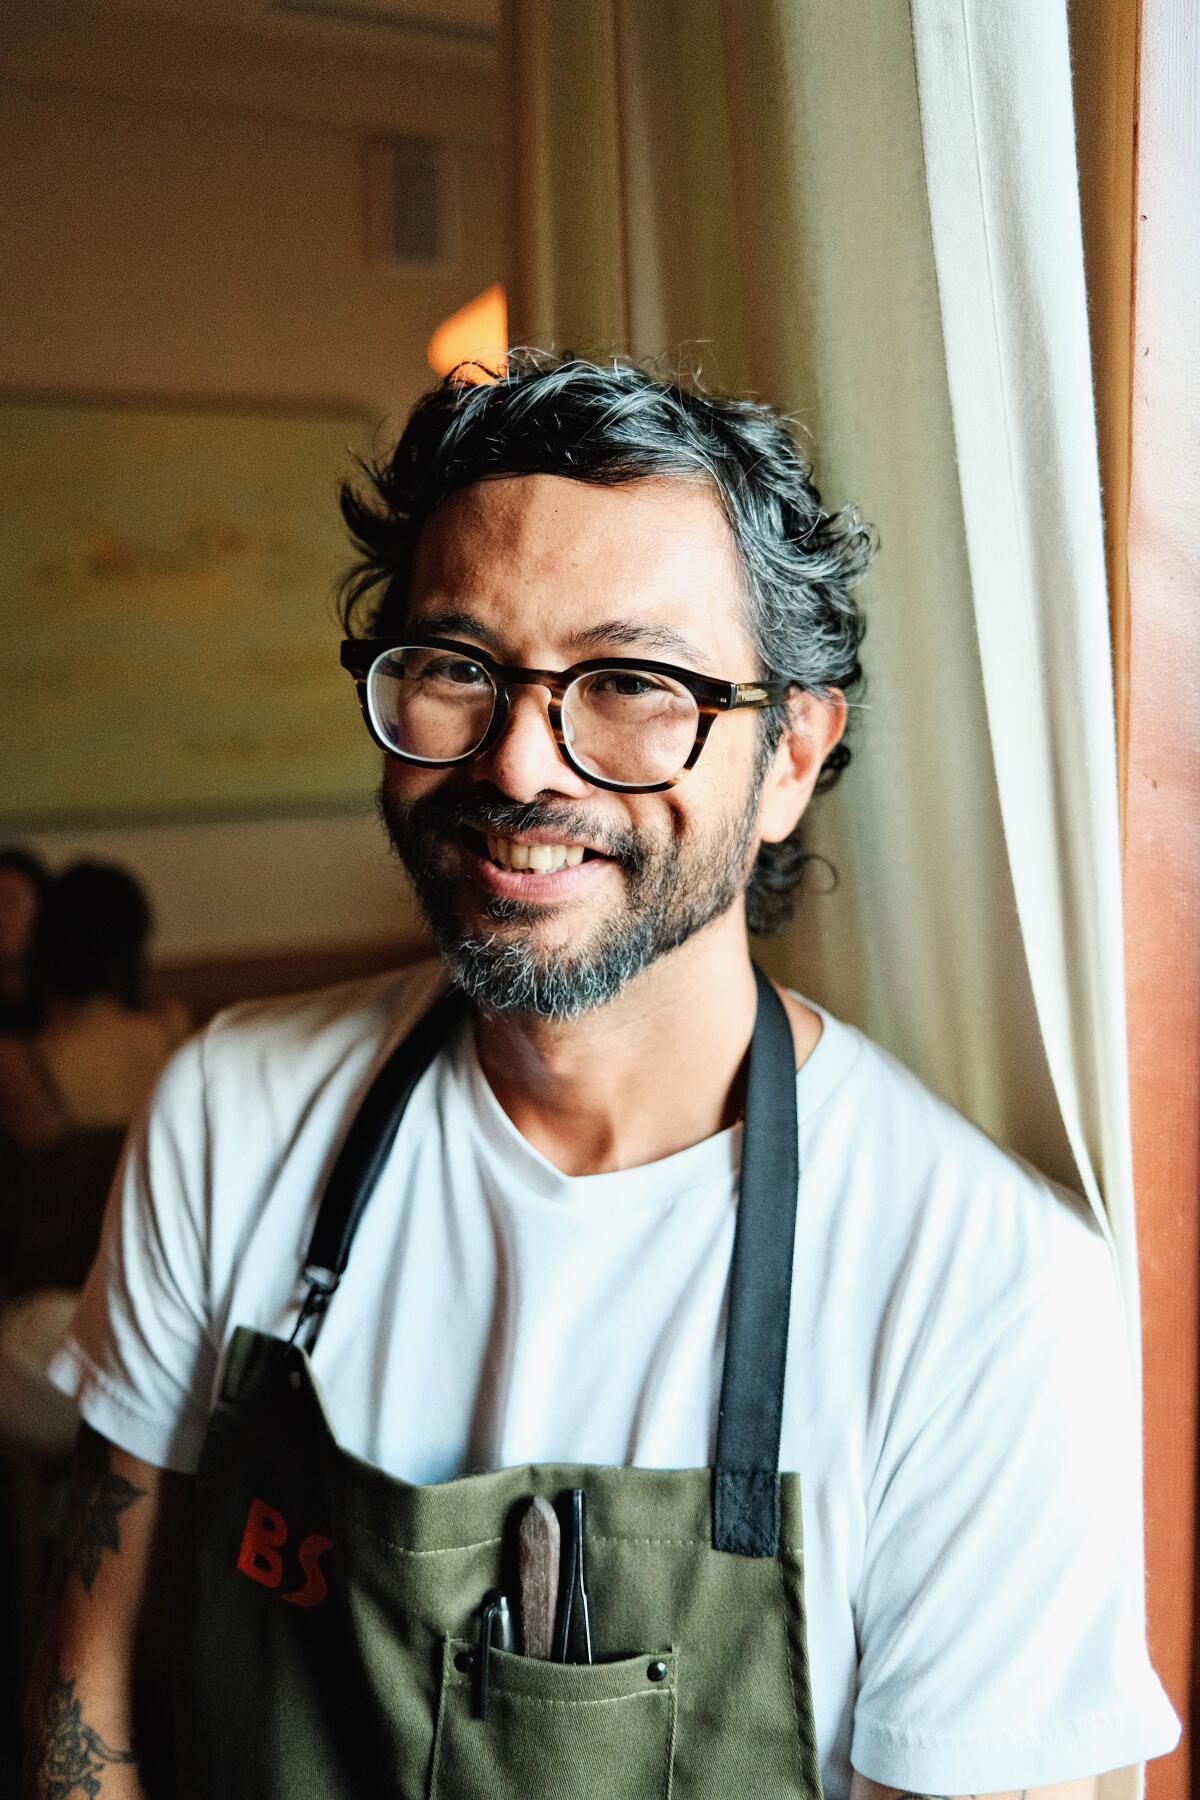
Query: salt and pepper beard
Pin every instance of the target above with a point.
(673, 890)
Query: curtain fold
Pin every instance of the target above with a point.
(999, 144)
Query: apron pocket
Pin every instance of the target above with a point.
(555, 1731)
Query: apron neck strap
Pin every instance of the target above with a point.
(361, 1159)
(746, 1477)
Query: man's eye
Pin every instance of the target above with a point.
(454, 669)
(626, 686)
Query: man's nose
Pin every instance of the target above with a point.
(525, 761)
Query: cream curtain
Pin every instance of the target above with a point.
(867, 213)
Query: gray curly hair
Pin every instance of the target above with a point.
(613, 422)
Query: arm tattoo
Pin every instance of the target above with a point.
(74, 1755)
(93, 1522)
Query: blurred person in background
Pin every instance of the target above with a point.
(69, 1088)
(22, 884)
(80, 1046)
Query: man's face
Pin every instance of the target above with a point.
(545, 572)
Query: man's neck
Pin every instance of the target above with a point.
(658, 1069)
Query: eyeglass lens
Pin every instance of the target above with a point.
(622, 725)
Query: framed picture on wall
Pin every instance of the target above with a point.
(168, 633)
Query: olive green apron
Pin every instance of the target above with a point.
(332, 1645)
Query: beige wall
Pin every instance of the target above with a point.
(186, 214)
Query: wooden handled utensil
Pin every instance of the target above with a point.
(538, 1552)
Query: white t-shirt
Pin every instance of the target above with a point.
(957, 1401)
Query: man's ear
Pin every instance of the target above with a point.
(814, 726)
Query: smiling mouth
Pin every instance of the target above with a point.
(536, 858)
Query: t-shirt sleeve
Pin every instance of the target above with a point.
(1000, 1614)
(139, 1358)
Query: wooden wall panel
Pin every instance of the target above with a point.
(1137, 107)
(1162, 832)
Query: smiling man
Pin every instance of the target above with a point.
(583, 1368)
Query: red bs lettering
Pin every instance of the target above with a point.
(315, 1588)
(259, 1556)
(265, 1535)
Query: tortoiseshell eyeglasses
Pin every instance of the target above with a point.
(621, 722)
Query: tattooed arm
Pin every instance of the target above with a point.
(99, 1710)
(862, 1789)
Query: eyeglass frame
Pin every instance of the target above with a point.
(360, 655)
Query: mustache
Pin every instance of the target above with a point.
(436, 811)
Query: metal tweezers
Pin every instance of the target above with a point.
(576, 1606)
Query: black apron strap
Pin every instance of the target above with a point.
(746, 1477)
(361, 1159)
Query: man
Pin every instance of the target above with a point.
(534, 1250)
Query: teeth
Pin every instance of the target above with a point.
(541, 859)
